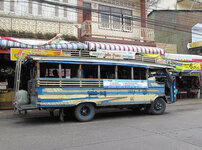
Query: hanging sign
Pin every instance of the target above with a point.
(185, 66)
(153, 55)
(15, 52)
(112, 55)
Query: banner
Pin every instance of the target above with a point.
(112, 55)
(195, 44)
(15, 52)
(112, 83)
(153, 55)
(185, 66)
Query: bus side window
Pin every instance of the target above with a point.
(90, 71)
(124, 72)
(107, 72)
(47, 70)
(70, 71)
(139, 73)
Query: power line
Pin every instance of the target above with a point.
(172, 26)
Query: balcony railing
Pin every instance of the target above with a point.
(116, 31)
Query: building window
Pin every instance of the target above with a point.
(127, 22)
(2, 5)
(12, 3)
(65, 8)
(30, 6)
(104, 16)
(56, 9)
(127, 19)
(115, 18)
(39, 8)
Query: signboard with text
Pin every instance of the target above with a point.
(185, 66)
(15, 52)
(113, 83)
(112, 54)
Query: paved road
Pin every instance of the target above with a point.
(180, 128)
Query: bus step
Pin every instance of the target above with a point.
(27, 107)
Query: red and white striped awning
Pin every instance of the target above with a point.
(123, 47)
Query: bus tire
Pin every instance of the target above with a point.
(84, 112)
(158, 107)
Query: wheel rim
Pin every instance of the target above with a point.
(158, 106)
(85, 111)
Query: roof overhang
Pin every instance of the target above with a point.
(67, 46)
(125, 48)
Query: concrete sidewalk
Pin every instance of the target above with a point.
(9, 114)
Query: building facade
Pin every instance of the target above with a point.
(175, 27)
(38, 17)
(174, 5)
(189, 4)
(116, 21)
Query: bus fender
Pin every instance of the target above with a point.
(93, 103)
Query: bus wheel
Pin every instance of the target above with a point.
(84, 112)
(158, 106)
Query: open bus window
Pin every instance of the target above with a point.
(70, 71)
(107, 72)
(139, 73)
(124, 72)
(49, 70)
(90, 71)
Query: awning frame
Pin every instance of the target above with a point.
(125, 48)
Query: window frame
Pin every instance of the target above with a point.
(113, 25)
(125, 26)
(102, 24)
(112, 15)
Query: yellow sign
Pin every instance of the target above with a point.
(196, 44)
(191, 66)
(153, 55)
(15, 52)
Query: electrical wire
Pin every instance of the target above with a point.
(172, 26)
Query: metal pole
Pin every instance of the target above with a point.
(132, 73)
(116, 72)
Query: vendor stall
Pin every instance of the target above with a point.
(187, 78)
(188, 85)
(6, 81)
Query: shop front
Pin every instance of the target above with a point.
(188, 76)
(7, 68)
(9, 51)
(188, 85)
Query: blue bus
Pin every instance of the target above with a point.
(78, 86)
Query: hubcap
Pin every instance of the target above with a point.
(85, 111)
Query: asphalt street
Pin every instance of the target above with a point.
(180, 128)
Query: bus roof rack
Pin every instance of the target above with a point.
(96, 61)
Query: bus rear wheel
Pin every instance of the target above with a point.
(84, 112)
(158, 106)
